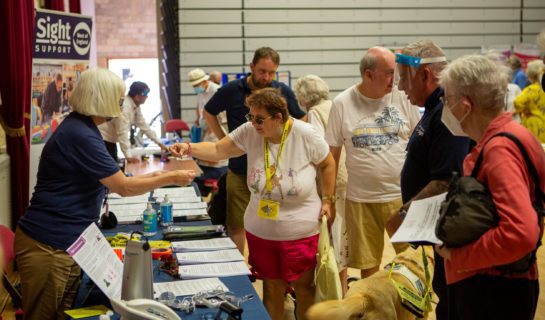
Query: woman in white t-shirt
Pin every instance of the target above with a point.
(282, 217)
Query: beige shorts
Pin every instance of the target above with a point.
(365, 225)
(238, 197)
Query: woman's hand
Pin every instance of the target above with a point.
(183, 177)
(179, 149)
(329, 211)
(443, 251)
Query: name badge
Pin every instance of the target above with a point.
(268, 209)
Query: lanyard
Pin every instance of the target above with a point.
(268, 174)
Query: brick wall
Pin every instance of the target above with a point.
(125, 29)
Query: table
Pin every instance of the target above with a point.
(240, 285)
(155, 164)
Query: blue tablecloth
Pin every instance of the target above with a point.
(90, 295)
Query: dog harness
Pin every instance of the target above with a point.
(416, 302)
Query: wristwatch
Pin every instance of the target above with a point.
(330, 198)
(402, 213)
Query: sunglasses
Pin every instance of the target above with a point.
(257, 120)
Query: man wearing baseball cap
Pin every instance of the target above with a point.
(117, 130)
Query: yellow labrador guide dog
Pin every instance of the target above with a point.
(397, 292)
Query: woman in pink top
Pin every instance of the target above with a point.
(475, 89)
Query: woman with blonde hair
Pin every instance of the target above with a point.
(74, 173)
(530, 104)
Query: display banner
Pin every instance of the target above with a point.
(62, 45)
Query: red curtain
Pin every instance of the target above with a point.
(54, 5)
(75, 6)
(17, 27)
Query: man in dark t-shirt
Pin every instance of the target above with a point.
(433, 152)
(231, 98)
(52, 100)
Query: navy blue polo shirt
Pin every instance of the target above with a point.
(433, 153)
(68, 195)
(231, 98)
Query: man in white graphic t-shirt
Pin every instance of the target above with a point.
(374, 121)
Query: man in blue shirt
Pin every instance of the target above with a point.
(433, 152)
(231, 98)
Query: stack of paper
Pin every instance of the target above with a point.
(217, 257)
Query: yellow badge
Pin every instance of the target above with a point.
(268, 209)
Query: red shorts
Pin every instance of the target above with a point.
(286, 260)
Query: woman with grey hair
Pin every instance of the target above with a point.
(312, 93)
(475, 88)
(74, 174)
(530, 104)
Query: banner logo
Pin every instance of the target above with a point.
(61, 36)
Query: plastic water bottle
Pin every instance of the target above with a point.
(150, 221)
(166, 211)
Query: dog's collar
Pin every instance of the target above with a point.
(409, 275)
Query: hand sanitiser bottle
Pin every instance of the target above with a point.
(166, 212)
(150, 221)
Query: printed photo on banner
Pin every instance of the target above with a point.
(62, 46)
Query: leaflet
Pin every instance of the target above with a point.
(227, 269)
(203, 245)
(186, 258)
(94, 255)
(188, 287)
(419, 223)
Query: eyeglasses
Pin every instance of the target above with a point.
(258, 120)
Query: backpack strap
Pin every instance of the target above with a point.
(539, 196)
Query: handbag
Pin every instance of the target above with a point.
(469, 211)
(327, 281)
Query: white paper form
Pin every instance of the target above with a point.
(188, 287)
(227, 269)
(128, 200)
(115, 199)
(185, 258)
(94, 255)
(188, 205)
(177, 199)
(203, 245)
(419, 223)
(175, 192)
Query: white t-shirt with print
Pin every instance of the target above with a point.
(375, 133)
(300, 204)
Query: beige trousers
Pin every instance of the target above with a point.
(49, 278)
